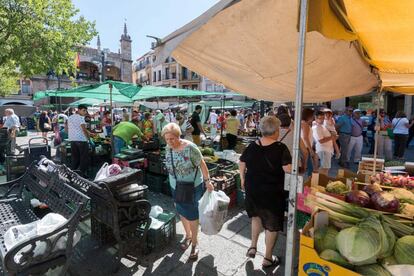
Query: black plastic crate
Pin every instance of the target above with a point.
(101, 232)
(155, 182)
(157, 239)
(15, 166)
(166, 189)
(224, 164)
(157, 167)
(224, 182)
(212, 169)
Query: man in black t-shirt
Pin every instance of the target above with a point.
(196, 124)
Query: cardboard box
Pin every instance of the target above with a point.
(309, 261)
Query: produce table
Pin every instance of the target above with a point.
(360, 225)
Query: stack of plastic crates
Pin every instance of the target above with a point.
(158, 237)
(15, 166)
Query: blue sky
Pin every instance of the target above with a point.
(143, 17)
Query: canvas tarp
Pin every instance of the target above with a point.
(383, 31)
(252, 46)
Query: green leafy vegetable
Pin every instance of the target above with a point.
(404, 250)
(336, 187)
(373, 270)
(325, 238)
(333, 256)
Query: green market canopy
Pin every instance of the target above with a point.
(121, 92)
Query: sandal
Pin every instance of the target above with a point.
(194, 253)
(185, 244)
(271, 263)
(249, 254)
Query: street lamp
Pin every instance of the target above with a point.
(101, 63)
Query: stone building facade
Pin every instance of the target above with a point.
(117, 66)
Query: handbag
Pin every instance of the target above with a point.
(184, 190)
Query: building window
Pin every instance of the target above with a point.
(174, 75)
(159, 75)
(194, 76)
(154, 77)
(184, 73)
(167, 73)
(185, 86)
(174, 86)
(194, 87)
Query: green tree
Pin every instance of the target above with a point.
(8, 79)
(39, 35)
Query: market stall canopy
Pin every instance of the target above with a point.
(383, 31)
(98, 102)
(251, 46)
(122, 92)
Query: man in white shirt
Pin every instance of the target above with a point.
(78, 136)
(12, 123)
(324, 143)
(212, 120)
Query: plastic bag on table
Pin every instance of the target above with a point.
(212, 210)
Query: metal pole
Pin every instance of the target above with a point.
(110, 103)
(103, 67)
(295, 177)
(377, 131)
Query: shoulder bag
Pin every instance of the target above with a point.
(184, 190)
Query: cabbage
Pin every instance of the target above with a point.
(404, 250)
(325, 238)
(387, 237)
(373, 270)
(333, 256)
(359, 245)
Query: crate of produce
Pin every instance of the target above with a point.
(22, 133)
(155, 182)
(133, 153)
(141, 163)
(226, 164)
(224, 182)
(212, 169)
(309, 260)
(161, 232)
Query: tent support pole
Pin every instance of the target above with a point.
(377, 130)
(111, 110)
(294, 176)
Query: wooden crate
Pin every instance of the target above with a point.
(366, 165)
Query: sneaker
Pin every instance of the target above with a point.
(337, 156)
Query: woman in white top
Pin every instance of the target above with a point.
(185, 126)
(400, 127)
(329, 124)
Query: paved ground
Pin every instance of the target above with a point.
(222, 254)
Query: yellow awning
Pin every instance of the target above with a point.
(384, 30)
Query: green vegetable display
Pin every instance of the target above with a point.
(404, 250)
(373, 270)
(359, 245)
(336, 187)
(325, 238)
(333, 256)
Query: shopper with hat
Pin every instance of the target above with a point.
(356, 141)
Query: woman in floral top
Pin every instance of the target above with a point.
(185, 164)
(147, 126)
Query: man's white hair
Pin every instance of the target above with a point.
(10, 110)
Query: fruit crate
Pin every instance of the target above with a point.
(224, 182)
(158, 238)
(155, 182)
(157, 167)
(224, 164)
(366, 165)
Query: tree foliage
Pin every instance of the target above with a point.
(8, 79)
(40, 35)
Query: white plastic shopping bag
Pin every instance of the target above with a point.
(49, 223)
(102, 173)
(212, 209)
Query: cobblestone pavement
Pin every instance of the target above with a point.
(222, 254)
